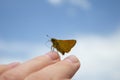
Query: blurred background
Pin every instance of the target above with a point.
(95, 24)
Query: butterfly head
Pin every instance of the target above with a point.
(53, 39)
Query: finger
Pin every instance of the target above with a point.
(62, 70)
(6, 67)
(20, 72)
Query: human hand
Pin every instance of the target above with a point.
(46, 67)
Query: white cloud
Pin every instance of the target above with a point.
(73, 6)
(99, 57)
(84, 4)
(55, 2)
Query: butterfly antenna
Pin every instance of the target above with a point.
(48, 36)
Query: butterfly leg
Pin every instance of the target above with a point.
(52, 48)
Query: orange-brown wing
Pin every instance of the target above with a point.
(64, 46)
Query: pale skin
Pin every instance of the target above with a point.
(45, 67)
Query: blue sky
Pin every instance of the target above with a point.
(95, 24)
(30, 20)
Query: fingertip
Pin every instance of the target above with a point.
(74, 60)
(73, 64)
(53, 55)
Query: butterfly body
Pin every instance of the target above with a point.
(63, 46)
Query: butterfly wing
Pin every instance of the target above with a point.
(64, 46)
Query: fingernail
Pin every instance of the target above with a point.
(53, 55)
(14, 64)
(72, 59)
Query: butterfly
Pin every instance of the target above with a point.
(63, 46)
